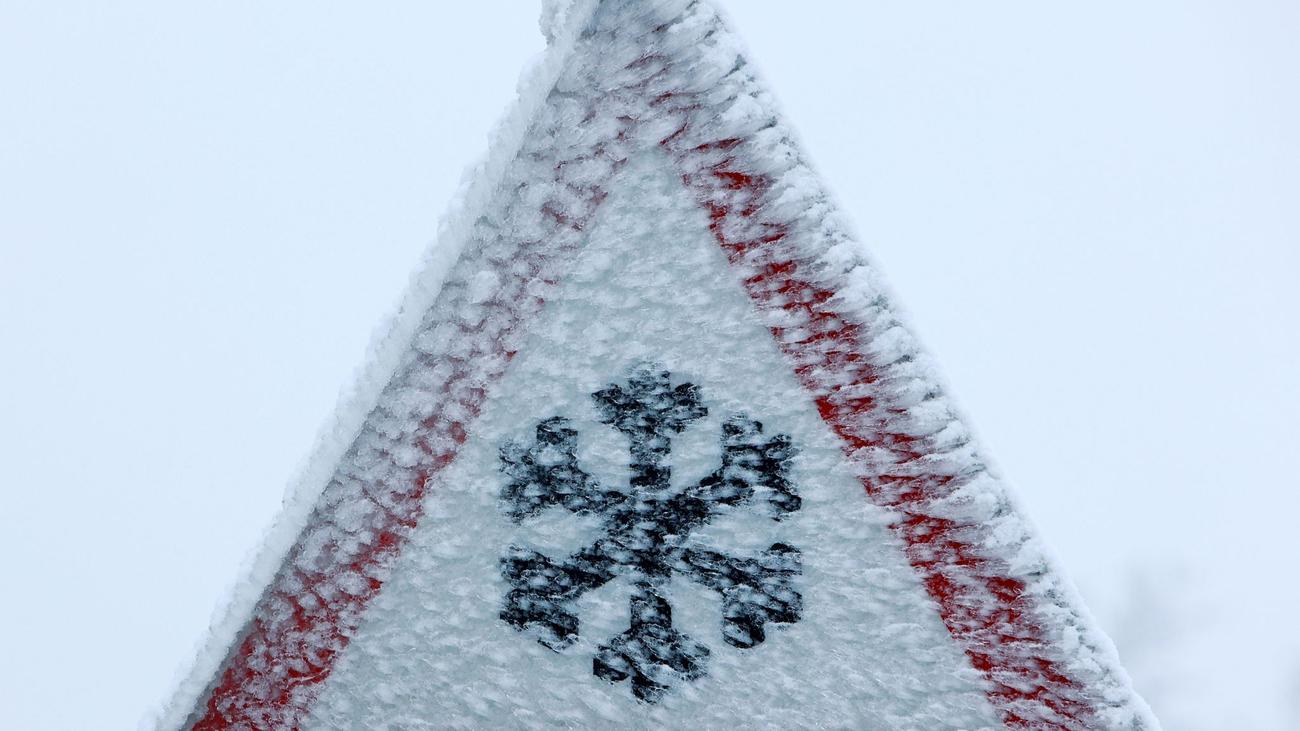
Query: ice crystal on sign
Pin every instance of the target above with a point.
(647, 534)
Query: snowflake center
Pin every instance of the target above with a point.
(646, 534)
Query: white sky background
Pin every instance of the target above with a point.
(1090, 210)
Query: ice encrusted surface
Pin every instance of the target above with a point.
(581, 254)
(868, 651)
(389, 349)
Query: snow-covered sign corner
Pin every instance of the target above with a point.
(556, 15)
(647, 446)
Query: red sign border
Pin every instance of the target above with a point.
(301, 625)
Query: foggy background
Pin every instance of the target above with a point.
(1091, 212)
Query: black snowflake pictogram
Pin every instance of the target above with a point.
(647, 534)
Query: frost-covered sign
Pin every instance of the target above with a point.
(649, 448)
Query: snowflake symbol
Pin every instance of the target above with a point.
(647, 534)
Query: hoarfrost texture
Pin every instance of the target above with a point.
(543, 292)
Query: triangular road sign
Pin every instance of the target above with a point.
(650, 448)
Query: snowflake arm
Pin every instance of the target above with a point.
(755, 591)
(544, 591)
(748, 462)
(546, 473)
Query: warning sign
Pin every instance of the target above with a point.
(655, 452)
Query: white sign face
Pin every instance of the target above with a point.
(655, 451)
(609, 561)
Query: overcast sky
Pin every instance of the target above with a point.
(1091, 212)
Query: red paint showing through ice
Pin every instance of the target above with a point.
(984, 609)
(303, 621)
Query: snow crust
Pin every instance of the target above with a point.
(651, 285)
(390, 345)
(428, 648)
(556, 17)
